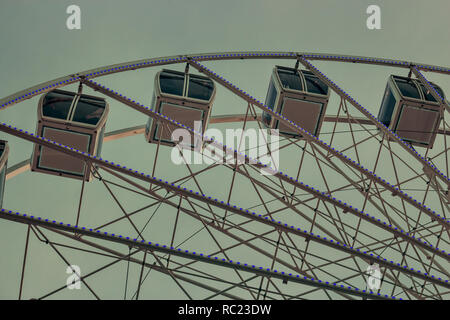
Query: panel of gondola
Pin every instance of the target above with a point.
(183, 97)
(299, 96)
(73, 119)
(411, 111)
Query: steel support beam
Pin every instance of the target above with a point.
(152, 62)
(374, 120)
(155, 247)
(203, 198)
(321, 144)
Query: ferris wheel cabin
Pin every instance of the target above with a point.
(75, 120)
(410, 111)
(182, 97)
(4, 151)
(299, 96)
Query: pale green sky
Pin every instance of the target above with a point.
(37, 47)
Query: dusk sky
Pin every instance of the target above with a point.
(37, 47)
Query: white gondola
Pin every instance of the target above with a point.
(410, 111)
(4, 151)
(183, 97)
(299, 96)
(75, 120)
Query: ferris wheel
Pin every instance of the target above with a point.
(313, 195)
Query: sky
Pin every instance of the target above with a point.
(38, 47)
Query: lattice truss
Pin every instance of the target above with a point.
(355, 196)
